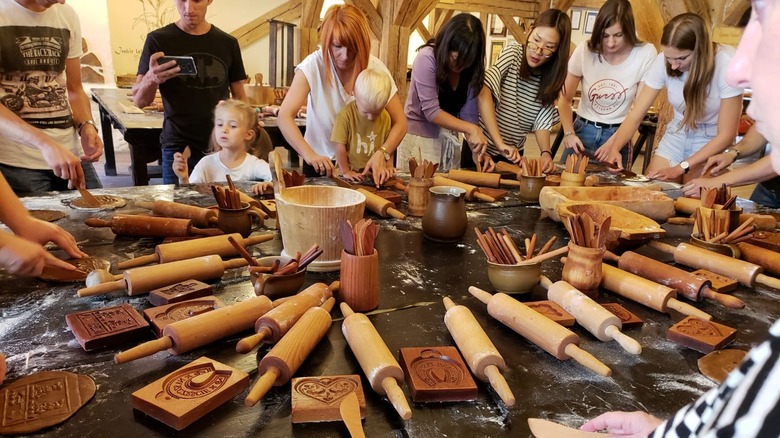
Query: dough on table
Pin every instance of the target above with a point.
(107, 202)
(83, 265)
(718, 364)
(47, 215)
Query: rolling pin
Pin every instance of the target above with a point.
(273, 325)
(599, 321)
(687, 284)
(537, 328)
(482, 356)
(768, 259)
(100, 276)
(481, 178)
(151, 226)
(503, 166)
(378, 364)
(761, 221)
(653, 295)
(278, 365)
(201, 217)
(147, 278)
(199, 330)
(748, 274)
(188, 249)
(472, 192)
(380, 205)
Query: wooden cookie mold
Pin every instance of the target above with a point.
(701, 335)
(162, 316)
(437, 374)
(181, 291)
(107, 326)
(553, 311)
(317, 399)
(628, 319)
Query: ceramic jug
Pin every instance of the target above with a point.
(445, 215)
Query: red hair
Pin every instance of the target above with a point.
(347, 25)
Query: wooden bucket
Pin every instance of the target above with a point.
(312, 214)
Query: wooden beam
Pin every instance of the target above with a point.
(563, 5)
(424, 7)
(443, 17)
(310, 20)
(258, 28)
(517, 32)
(374, 19)
(650, 23)
(402, 12)
(423, 31)
(516, 8)
(734, 10)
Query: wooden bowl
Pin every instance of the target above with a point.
(276, 286)
(627, 230)
(514, 279)
(650, 203)
(726, 249)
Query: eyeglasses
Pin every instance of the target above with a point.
(544, 51)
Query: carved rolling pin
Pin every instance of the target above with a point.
(481, 178)
(537, 328)
(767, 258)
(599, 321)
(376, 360)
(147, 278)
(278, 366)
(380, 205)
(187, 249)
(201, 217)
(273, 325)
(748, 274)
(687, 284)
(200, 330)
(151, 226)
(482, 356)
(472, 192)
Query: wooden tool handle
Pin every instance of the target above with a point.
(263, 385)
(587, 360)
(376, 204)
(480, 294)
(144, 204)
(687, 309)
(248, 343)
(138, 261)
(510, 182)
(392, 211)
(475, 178)
(195, 231)
(255, 239)
(726, 300)
(498, 383)
(442, 181)
(663, 247)
(483, 197)
(235, 263)
(766, 280)
(396, 396)
(102, 288)
(629, 344)
(143, 350)
(545, 282)
(97, 222)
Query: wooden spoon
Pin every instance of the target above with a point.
(350, 413)
(89, 198)
(347, 238)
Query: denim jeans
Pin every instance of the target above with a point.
(25, 182)
(167, 162)
(764, 196)
(592, 137)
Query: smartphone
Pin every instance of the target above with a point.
(185, 63)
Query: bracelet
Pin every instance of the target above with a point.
(567, 133)
(547, 152)
(85, 123)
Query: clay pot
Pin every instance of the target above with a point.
(277, 286)
(239, 220)
(530, 186)
(359, 282)
(417, 195)
(514, 279)
(725, 249)
(582, 268)
(572, 179)
(445, 215)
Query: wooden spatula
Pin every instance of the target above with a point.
(89, 198)
(350, 413)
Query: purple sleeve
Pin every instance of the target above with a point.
(470, 111)
(424, 75)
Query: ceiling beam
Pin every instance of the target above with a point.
(258, 28)
(374, 19)
(517, 31)
(515, 8)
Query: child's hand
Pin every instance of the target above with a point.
(262, 188)
(26, 258)
(353, 176)
(180, 167)
(42, 232)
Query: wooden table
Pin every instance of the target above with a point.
(142, 133)
(414, 276)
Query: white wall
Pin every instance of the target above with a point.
(94, 28)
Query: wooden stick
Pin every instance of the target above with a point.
(242, 251)
(547, 246)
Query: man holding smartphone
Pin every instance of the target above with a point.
(188, 99)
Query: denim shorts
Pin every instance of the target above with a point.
(169, 177)
(592, 137)
(680, 142)
(27, 182)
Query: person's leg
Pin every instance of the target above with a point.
(764, 196)
(91, 176)
(26, 182)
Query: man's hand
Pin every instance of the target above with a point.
(571, 141)
(91, 143)
(64, 164)
(160, 73)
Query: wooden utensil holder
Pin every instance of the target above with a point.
(530, 186)
(572, 179)
(582, 268)
(417, 195)
(239, 220)
(359, 282)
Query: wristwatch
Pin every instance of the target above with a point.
(685, 166)
(735, 150)
(385, 153)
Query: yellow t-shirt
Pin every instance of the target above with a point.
(361, 136)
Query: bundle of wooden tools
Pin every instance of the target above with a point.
(296, 264)
(531, 167)
(715, 228)
(576, 164)
(585, 232)
(721, 196)
(501, 249)
(359, 239)
(229, 199)
(424, 170)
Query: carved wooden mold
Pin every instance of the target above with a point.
(107, 326)
(701, 335)
(182, 291)
(162, 316)
(317, 399)
(553, 311)
(628, 319)
(437, 374)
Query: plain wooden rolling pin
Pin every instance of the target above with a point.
(188, 249)
(380, 205)
(767, 258)
(599, 321)
(376, 360)
(537, 328)
(147, 278)
(151, 226)
(278, 365)
(482, 356)
(481, 178)
(201, 217)
(273, 325)
(199, 330)
(748, 274)
(472, 192)
(687, 284)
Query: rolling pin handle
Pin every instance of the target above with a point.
(263, 385)
(664, 247)
(345, 309)
(484, 197)
(687, 309)
(101, 289)
(726, 300)
(628, 343)
(480, 294)
(448, 303)
(396, 213)
(498, 383)
(138, 261)
(396, 396)
(587, 360)
(545, 282)
(235, 263)
(143, 350)
(248, 343)
(611, 256)
(509, 182)
(96, 222)
(768, 281)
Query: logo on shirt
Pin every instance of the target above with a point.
(41, 51)
(365, 147)
(606, 96)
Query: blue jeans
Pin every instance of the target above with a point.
(26, 182)
(592, 137)
(167, 161)
(764, 196)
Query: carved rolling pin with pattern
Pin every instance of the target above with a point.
(537, 328)
(147, 278)
(200, 330)
(151, 226)
(278, 366)
(201, 217)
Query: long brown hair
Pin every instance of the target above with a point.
(689, 32)
(553, 72)
(611, 13)
(463, 34)
(347, 25)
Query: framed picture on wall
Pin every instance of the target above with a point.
(495, 49)
(590, 20)
(497, 27)
(576, 19)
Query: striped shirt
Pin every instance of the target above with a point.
(744, 406)
(518, 111)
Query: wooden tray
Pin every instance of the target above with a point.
(652, 204)
(627, 228)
